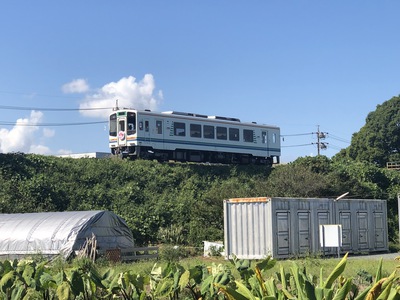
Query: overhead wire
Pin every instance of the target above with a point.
(52, 124)
(30, 94)
(335, 147)
(339, 138)
(296, 134)
(296, 145)
(51, 109)
(9, 107)
(334, 137)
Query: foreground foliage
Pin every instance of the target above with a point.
(31, 280)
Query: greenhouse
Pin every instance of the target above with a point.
(61, 233)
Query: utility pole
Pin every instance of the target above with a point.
(320, 136)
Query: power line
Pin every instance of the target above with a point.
(335, 147)
(320, 135)
(51, 109)
(52, 124)
(30, 94)
(321, 144)
(339, 139)
(296, 145)
(296, 134)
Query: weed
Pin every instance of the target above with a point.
(170, 253)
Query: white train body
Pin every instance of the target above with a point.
(191, 137)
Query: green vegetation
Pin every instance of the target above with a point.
(180, 203)
(378, 141)
(234, 279)
(176, 200)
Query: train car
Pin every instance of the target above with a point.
(190, 137)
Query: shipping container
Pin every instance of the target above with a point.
(289, 227)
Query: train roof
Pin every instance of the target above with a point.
(195, 115)
(201, 116)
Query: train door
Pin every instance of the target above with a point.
(264, 141)
(121, 131)
(146, 127)
(159, 133)
(282, 234)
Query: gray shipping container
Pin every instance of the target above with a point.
(285, 227)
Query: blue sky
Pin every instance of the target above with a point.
(294, 64)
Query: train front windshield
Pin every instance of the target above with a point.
(118, 121)
(113, 125)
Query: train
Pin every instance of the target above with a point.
(189, 137)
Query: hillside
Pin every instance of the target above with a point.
(179, 203)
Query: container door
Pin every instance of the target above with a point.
(362, 222)
(345, 221)
(282, 219)
(379, 230)
(323, 219)
(304, 232)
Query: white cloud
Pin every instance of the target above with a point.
(39, 149)
(64, 152)
(21, 138)
(129, 93)
(48, 133)
(25, 136)
(76, 86)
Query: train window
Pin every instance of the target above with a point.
(140, 125)
(264, 137)
(208, 132)
(131, 128)
(131, 119)
(195, 130)
(248, 135)
(159, 126)
(179, 129)
(122, 125)
(274, 138)
(146, 125)
(222, 133)
(233, 134)
(113, 125)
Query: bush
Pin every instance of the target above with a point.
(171, 253)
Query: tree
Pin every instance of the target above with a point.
(378, 141)
(296, 180)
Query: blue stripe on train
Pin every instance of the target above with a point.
(181, 142)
